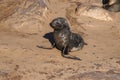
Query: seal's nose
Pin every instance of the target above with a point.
(50, 24)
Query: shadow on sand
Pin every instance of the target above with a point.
(48, 36)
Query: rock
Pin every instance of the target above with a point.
(27, 16)
(93, 12)
(97, 75)
(8, 7)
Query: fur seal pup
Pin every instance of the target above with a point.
(111, 5)
(65, 40)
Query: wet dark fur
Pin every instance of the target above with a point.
(115, 7)
(64, 39)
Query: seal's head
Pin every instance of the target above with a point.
(59, 23)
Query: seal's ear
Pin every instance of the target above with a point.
(66, 25)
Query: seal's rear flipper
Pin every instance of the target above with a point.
(65, 54)
(85, 43)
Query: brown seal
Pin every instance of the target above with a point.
(111, 5)
(65, 40)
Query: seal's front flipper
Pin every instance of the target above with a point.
(43, 47)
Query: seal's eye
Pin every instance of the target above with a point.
(57, 23)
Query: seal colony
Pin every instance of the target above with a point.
(65, 40)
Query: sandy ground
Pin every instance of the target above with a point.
(21, 59)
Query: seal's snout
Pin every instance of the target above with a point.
(54, 23)
(50, 24)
